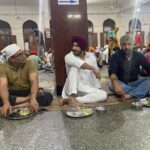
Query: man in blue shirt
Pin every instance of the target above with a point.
(124, 67)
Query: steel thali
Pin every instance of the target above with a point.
(21, 113)
(79, 112)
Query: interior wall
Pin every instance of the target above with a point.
(99, 14)
(16, 16)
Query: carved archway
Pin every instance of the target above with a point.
(134, 25)
(5, 34)
(5, 28)
(107, 24)
(29, 34)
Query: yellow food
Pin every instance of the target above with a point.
(24, 112)
(86, 111)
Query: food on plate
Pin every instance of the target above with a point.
(80, 112)
(24, 112)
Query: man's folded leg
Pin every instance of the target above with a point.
(96, 95)
(45, 99)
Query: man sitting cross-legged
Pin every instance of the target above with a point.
(124, 67)
(82, 83)
(19, 82)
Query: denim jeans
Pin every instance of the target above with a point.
(139, 88)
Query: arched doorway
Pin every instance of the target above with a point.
(107, 24)
(5, 34)
(135, 30)
(134, 25)
(29, 34)
(92, 37)
(4, 28)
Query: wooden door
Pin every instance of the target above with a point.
(6, 40)
(48, 40)
(103, 39)
(95, 43)
(29, 35)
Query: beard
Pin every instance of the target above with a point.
(17, 63)
(76, 53)
(127, 52)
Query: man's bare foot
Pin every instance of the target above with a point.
(73, 102)
(63, 102)
(127, 97)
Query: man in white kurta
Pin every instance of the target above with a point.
(82, 84)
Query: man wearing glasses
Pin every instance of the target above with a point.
(19, 82)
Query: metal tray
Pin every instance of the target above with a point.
(17, 116)
(79, 112)
(145, 102)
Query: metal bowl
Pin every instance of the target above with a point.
(100, 109)
(137, 105)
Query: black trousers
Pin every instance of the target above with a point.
(44, 99)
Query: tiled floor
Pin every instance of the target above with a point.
(120, 128)
(47, 80)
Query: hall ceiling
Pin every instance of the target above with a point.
(18, 2)
(36, 2)
(122, 4)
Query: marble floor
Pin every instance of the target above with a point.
(120, 128)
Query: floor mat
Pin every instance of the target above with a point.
(112, 100)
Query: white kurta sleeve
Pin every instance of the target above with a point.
(95, 82)
(72, 60)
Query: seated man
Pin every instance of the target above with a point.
(19, 82)
(99, 57)
(36, 59)
(82, 83)
(49, 65)
(106, 54)
(124, 67)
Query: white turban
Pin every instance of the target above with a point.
(10, 50)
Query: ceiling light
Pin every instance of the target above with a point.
(76, 16)
(70, 16)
